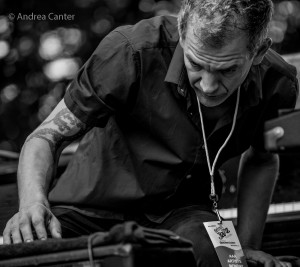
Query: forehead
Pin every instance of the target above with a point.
(233, 52)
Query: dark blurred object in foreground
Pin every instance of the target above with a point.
(290, 123)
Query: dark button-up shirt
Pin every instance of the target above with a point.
(146, 151)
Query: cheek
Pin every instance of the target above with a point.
(244, 71)
(193, 76)
(231, 82)
(236, 80)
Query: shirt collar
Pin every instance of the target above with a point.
(252, 86)
(176, 72)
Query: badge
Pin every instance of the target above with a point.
(226, 243)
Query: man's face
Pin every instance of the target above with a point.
(215, 74)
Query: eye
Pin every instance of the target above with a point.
(229, 71)
(195, 66)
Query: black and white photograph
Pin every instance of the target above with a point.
(150, 133)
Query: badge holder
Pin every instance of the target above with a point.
(222, 233)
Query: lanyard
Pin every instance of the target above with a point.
(213, 196)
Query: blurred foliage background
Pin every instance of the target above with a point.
(39, 54)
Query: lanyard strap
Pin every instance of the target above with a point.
(213, 196)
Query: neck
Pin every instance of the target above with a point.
(215, 113)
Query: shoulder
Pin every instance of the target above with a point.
(279, 79)
(156, 32)
(274, 63)
(152, 34)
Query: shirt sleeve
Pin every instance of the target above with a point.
(284, 96)
(102, 86)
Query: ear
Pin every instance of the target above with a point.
(261, 51)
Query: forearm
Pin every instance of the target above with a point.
(34, 172)
(36, 168)
(257, 178)
(41, 151)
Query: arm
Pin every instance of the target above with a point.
(99, 92)
(36, 166)
(257, 177)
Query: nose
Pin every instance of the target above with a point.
(209, 83)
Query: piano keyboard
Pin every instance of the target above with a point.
(279, 208)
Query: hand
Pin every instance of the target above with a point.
(36, 216)
(263, 258)
(271, 138)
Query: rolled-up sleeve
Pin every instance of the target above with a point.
(103, 85)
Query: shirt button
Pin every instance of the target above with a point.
(189, 176)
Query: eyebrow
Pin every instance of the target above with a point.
(197, 64)
(192, 61)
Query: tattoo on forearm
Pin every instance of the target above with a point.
(59, 120)
(63, 120)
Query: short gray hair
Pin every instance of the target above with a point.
(216, 21)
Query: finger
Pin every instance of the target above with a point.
(25, 228)
(285, 264)
(38, 223)
(6, 234)
(278, 263)
(272, 136)
(15, 233)
(55, 227)
(269, 264)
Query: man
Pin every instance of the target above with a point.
(142, 92)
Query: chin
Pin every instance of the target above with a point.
(211, 103)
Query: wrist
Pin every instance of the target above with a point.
(250, 244)
(36, 199)
(249, 247)
(250, 232)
